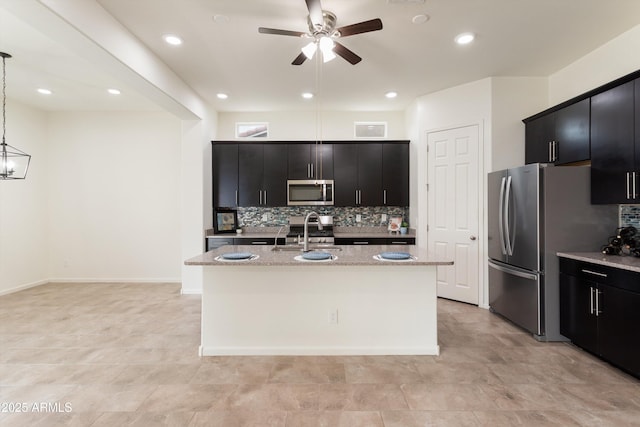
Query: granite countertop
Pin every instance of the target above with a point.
(338, 231)
(622, 262)
(346, 255)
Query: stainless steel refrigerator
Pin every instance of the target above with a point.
(534, 212)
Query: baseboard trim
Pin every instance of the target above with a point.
(319, 351)
(92, 280)
(23, 287)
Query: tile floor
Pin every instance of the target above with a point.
(126, 354)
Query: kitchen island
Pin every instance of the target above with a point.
(354, 304)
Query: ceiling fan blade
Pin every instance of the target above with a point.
(347, 54)
(315, 12)
(280, 32)
(299, 59)
(361, 27)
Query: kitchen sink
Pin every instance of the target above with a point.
(313, 247)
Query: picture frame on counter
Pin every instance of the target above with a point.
(225, 220)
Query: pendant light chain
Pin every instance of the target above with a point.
(318, 81)
(4, 99)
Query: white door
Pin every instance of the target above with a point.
(453, 219)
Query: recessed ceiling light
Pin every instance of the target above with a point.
(113, 91)
(44, 91)
(465, 38)
(220, 19)
(222, 95)
(307, 95)
(172, 39)
(391, 94)
(420, 19)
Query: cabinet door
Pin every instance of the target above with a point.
(618, 327)
(538, 134)
(572, 133)
(250, 173)
(274, 181)
(637, 135)
(345, 172)
(577, 322)
(395, 174)
(370, 174)
(225, 175)
(323, 168)
(299, 159)
(612, 144)
(302, 162)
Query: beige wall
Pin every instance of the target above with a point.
(614, 59)
(24, 232)
(301, 125)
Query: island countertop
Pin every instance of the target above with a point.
(346, 255)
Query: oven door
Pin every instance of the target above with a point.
(309, 192)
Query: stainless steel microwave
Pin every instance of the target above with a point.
(314, 192)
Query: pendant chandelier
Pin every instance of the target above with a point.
(14, 163)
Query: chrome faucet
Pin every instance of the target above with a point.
(306, 229)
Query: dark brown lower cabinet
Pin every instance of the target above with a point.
(600, 311)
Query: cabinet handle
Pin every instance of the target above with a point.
(597, 293)
(399, 243)
(590, 299)
(260, 195)
(361, 243)
(359, 197)
(384, 197)
(265, 197)
(635, 194)
(260, 242)
(628, 185)
(312, 171)
(236, 197)
(555, 151)
(356, 197)
(594, 273)
(550, 154)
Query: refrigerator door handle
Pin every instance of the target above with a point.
(517, 273)
(507, 218)
(503, 246)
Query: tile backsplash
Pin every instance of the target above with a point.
(630, 216)
(342, 216)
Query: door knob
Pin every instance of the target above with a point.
(472, 237)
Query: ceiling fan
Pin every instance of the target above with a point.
(323, 32)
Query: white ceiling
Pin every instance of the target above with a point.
(514, 38)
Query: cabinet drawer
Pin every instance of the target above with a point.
(375, 240)
(616, 277)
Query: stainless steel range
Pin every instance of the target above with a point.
(296, 230)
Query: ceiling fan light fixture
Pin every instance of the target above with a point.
(326, 47)
(310, 49)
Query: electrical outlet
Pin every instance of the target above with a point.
(333, 316)
(358, 218)
(383, 218)
(265, 217)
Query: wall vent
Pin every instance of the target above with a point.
(370, 129)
